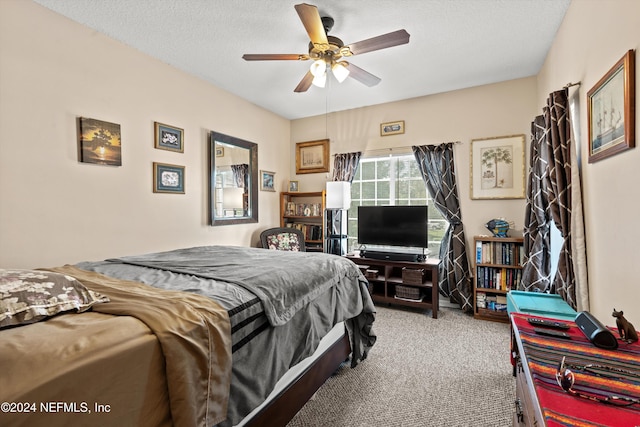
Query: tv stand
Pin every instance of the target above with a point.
(392, 256)
(390, 280)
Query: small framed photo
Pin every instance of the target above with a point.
(312, 156)
(293, 186)
(611, 110)
(267, 181)
(168, 178)
(497, 167)
(392, 128)
(100, 142)
(169, 138)
(219, 150)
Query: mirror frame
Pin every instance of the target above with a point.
(253, 180)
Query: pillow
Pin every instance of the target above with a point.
(284, 242)
(28, 296)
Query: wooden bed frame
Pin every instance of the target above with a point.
(291, 399)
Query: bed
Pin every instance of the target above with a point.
(205, 336)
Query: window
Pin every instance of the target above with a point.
(392, 180)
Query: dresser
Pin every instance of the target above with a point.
(540, 401)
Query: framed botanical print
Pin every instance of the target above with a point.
(497, 167)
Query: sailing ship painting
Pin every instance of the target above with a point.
(607, 108)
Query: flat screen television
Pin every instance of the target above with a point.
(393, 225)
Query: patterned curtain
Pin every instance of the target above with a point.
(438, 173)
(345, 166)
(241, 175)
(550, 198)
(557, 121)
(537, 244)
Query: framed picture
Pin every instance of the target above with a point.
(293, 186)
(497, 167)
(392, 128)
(219, 150)
(168, 178)
(312, 156)
(99, 142)
(611, 110)
(169, 138)
(267, 181)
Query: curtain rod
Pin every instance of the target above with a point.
(568, 85)
(399, 150)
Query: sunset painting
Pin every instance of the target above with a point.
(100, 142)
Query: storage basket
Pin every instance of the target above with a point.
(371, 274)
(412, 276)
(408, 292)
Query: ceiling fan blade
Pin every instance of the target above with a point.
(305, 83)
(380, 42)
(274, 57)
(310, 18)
(362, 76)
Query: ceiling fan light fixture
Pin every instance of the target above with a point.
(318, 68)
(320, 80)
(325, 51)
(340, 71)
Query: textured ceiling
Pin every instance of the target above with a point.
(454, 44)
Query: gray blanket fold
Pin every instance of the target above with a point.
(285, 282)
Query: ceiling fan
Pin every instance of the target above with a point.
(327, 52)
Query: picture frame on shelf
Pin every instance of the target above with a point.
(497, 167)
(99, 142)
(169, 138)
(611, 110)
(168, 178)
(293, 186)
(267, 181)
(312, 156)
(392, 128)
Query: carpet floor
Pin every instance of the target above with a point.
(450, 371)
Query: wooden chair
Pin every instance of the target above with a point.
(283, 239)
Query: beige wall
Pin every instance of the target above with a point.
(593, 37)
(55, 210)
(487, 111)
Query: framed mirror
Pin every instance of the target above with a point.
(233, 180)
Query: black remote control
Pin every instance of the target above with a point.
(547, 323)
(552, 333)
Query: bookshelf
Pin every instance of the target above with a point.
(305, 211)
(498, 269)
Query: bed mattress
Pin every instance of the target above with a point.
(56, 375)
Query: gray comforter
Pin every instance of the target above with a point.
(280, 305)
(284, 281)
